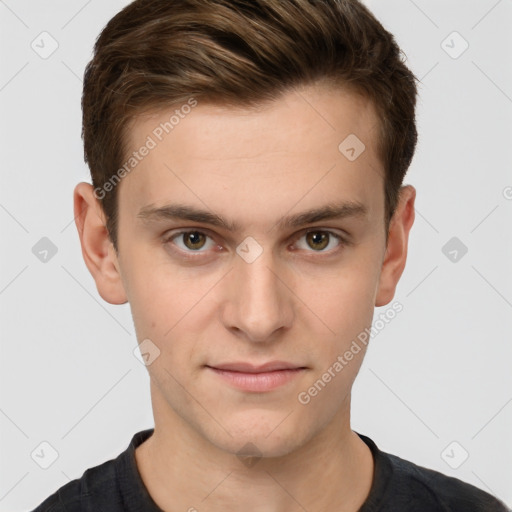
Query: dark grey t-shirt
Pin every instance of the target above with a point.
(398, 486)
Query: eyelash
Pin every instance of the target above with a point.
(343, 242)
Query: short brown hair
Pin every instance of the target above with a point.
(158, 53)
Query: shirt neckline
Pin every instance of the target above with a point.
(382, 475)
(134, 493)
(136, 497)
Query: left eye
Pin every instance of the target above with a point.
(319, 240)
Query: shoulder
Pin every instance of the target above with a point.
(414, 483)
(96, 481)
(108, 486)
(400, 484)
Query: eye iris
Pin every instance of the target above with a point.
(195, 238)
(322, 239)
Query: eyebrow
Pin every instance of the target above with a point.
(149, 214)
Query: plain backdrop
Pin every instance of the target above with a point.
(436, 385)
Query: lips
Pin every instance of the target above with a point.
(252, 378)
(244, 367)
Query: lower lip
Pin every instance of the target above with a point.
(257, 382)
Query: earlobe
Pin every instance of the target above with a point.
(396, 252)
(97, 249)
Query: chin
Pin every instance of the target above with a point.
(248, 446)
(261, 439)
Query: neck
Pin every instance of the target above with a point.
(184, 471)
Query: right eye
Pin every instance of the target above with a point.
(190, 241)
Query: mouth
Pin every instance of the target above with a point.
(257, 379)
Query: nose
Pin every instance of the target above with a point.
(259, 303)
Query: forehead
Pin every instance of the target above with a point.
(314, 144)
(298, 121)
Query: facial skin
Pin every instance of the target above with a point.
(303, 300)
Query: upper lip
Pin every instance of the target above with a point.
(250, 368)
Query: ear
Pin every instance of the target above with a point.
(97, 249)
(396, 251)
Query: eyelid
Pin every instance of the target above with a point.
(343, 239)
(171, 235)
(340, 235)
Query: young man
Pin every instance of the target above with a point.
(247, 159)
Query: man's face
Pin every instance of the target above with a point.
(206, 295)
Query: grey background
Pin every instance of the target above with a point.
(438, 373)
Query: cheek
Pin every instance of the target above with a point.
(338, 352)
(174, 311)
(158, 294)
(344, 299)
(343, 309)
